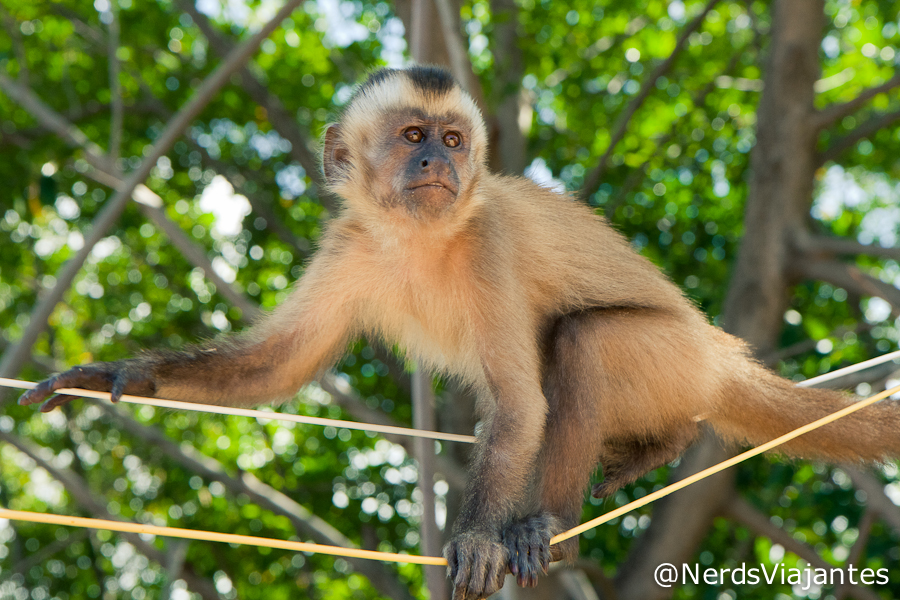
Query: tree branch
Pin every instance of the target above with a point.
(53, 121)
(637, 175)
(47, 552)
(303, 521)
(864, 527)
(807, 345)
(508, 97)
(81, 492)
(834, 112)
(12, 359)
(687, 516)
(875, 496)
(592, 181)
(744, 513)
(148, 202)
(821, 247)
(852, 278)
(115, 87)
(460, 65)
(303, 147)
(259, 205)
(870, 127)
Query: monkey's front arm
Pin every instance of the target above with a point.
(286, 350)
(502, 467)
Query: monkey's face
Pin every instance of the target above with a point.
(424, 158)
(410, 145)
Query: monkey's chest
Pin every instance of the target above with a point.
(433, 323)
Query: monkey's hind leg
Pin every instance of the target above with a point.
(614, 396)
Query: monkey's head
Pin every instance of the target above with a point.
(409, 141)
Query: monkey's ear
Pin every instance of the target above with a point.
(335, 155)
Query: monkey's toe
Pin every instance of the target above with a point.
(477, 566)
(528, 544)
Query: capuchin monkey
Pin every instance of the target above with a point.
(579, 350)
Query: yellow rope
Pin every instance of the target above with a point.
(405, 558)
(212, 536)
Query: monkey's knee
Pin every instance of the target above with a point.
(625, 460)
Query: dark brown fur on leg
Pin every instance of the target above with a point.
(625, 460)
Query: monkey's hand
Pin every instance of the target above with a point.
(132, 376)
(528, 543)
(476, 563)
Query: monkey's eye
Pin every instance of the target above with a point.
(414, 135)
(452, 139)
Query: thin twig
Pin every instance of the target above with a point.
(636, 176)
(52, 121)
(115, 87)
(850, 277)
(875, 497)
(592, 181)
(302, 145)
(828, 247)
(834, 112)
(857, 551)
(868, 128)
(460, 65)
(13, 358)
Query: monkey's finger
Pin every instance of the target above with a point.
(513, 565)
(522, 561)
(452, 566)
(462, 572)
(545, 556)
(479, 579)
(56, 401)
(460, 592)
(493, 578)
(118, 387)
(475, 579)
(39, 392)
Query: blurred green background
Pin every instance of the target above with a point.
(676, 85)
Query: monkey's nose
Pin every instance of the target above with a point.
(434, 163)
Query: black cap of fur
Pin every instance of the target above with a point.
(434, 80)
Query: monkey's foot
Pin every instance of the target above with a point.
(530, 552)
(120, 377)
(476, 564)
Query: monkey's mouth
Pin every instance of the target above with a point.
(433, 186)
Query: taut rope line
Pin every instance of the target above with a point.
(246, 412)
